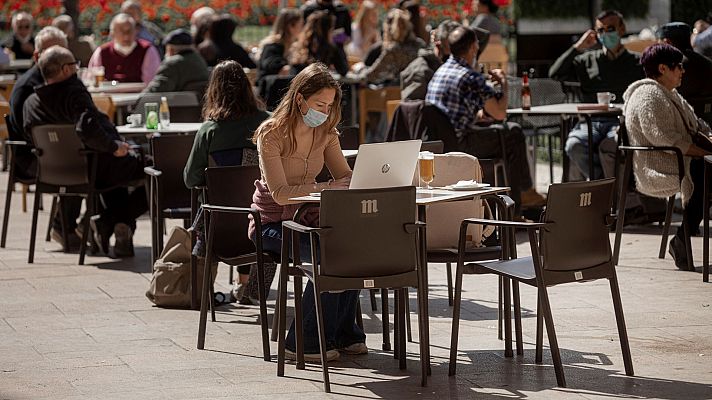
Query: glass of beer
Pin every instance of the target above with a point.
(426, 168)
(98, 73)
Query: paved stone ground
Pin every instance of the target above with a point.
(88, 332)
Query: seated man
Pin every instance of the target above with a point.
(23, 159)
(126, 58)
(415, 77)
(64, 99)
(182, 69)
(609, 69)
(462, 94)
(21, 43)
(145, 29)
(81, 46)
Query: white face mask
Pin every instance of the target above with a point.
(124, 50)
(313, 118)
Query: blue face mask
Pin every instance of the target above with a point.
(609, 40)
(314, 118)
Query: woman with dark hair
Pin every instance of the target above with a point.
(219, 45)
(294, 145)
(231, 113)
(315, 45)
(273, 53)
(656, 115)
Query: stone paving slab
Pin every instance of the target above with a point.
(88, 332)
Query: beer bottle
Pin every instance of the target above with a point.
(526, 92)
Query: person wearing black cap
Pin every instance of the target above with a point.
(183, 69)
(696, 82)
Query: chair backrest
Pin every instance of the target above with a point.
(104, 104)
(5, 123)
(367, 234)
(231, 186)
(6, 88)
(170, 153)
(433, 146)
(424, 121)
(391, 106)
(544, 91)
(578, 235)
(60, 160)
(374, 99)
(184, 106)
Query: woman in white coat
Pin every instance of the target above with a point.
(656, 115)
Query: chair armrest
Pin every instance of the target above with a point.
(480, 221)
(16, 143)
(413, 227)
(504, 203)
(152, 172)
(295, 226)
(232, 210)
(677, 151)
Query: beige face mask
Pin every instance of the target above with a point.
(124, 50)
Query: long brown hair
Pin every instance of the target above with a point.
(315, 39)
(286, 18)
(229, 95)
(285, 118)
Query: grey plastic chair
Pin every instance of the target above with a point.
(562, 252)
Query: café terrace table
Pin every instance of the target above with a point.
(565, 110)
(122, 94)
(424, 198)
(173, 128)
(16, 65)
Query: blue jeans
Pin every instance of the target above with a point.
(604, 132)
(339, 309)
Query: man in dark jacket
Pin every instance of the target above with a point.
(696, 82)
(183, 69)
(21, 43)
(64, 99)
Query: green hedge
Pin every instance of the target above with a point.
(541, 9)
(690, 10)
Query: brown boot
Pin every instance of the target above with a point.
(530, 198)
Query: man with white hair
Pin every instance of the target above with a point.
(126, 58)
(21, 42)
(81, 46)
(200, 22)
(145, 30)
(63, 99)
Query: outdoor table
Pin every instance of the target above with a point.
(117, 87)
(424, 198)
(173, 128)
(706, 225)
(585, 110)
(16, 65)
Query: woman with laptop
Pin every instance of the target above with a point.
(294, 145)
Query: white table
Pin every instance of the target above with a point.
(174, 128)
(117, 87)
(425, 197)
(585, 110)
(16, 65)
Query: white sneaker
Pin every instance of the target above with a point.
(314, 358)
(356, 349)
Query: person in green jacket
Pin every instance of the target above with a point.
(183, 69)
(231, 113)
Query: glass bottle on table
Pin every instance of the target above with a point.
(164, 113)
(526, 92)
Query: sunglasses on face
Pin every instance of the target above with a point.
(75, 62)
(23, 27)
(607, 29)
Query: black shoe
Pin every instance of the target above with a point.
(676, 248)
(102, 232)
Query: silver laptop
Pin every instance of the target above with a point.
(389, 164)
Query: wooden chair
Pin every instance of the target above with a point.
(373, 99)
(494, 56)
(6, 89)
(104, 104)
(391, 106)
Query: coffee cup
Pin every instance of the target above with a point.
(134, 120)
(605, 97)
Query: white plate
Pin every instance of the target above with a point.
(315, 194)
(478, 186)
